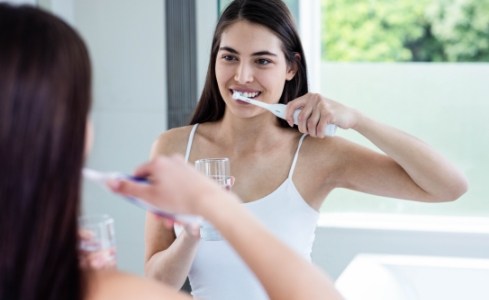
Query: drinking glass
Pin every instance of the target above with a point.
(217, 169)
(97, 241)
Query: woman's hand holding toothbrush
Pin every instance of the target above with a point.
(317, 112)
(173, 186)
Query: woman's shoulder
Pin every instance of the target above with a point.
(174, 134)
(111, 284)
(172, 141)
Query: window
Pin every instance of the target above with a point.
(406, 30)
(407, 63)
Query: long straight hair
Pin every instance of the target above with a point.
(274, 15)
(45, 83)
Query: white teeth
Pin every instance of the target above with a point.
(248, 94)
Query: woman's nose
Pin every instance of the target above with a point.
(244, 73)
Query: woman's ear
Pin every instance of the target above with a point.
(293, 67)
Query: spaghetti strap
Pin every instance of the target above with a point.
(190, 140)
(292, 168)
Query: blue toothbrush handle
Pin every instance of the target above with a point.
(101, 179)
(137, 179)
(181, 218)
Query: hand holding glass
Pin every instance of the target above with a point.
(97, 242)
(217, 169)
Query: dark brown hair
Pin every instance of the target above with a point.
(45, 83)
(274, 15)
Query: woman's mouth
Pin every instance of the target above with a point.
(246, 94)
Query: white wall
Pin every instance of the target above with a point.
(126, 43)
(63, 8)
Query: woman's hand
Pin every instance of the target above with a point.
(173, 186)
(97, 259)
(318, 111)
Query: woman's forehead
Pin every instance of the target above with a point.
(250, 37)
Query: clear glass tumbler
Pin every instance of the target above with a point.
(97, 241)
(217, 169)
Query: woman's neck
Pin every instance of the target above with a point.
(248, 134)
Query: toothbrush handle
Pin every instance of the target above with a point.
(191, 220)
(279, 110)
(101, 178)
(329, 130)
(182, 218)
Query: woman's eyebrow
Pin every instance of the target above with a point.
(228, 49)
(259, 53)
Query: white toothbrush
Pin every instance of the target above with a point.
(102, 178)
(279, 110)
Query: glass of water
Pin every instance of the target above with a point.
(217, 169)
(97, 241)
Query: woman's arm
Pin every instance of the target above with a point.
(410, 169)
(283, 273)
(436, 177)
(168, 258)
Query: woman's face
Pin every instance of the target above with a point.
(250, 60)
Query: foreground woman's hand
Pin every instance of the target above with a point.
(173, 185)
(100, 259)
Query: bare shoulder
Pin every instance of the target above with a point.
(119, 285)
(171, 141)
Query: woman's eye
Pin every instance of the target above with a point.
(263, 61)
(228, 57)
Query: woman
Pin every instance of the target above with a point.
(45, 82)
(282, 174)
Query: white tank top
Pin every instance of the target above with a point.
(218, 273)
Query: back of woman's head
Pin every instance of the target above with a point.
(44, 101)
(274, 15)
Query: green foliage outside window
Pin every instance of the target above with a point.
(405, 30)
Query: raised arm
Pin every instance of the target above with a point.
(410, 168)
(436, 177)
(283, 273)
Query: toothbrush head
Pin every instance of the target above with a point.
(238, 96)
(95, 175)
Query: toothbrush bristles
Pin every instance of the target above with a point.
(239, 96)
